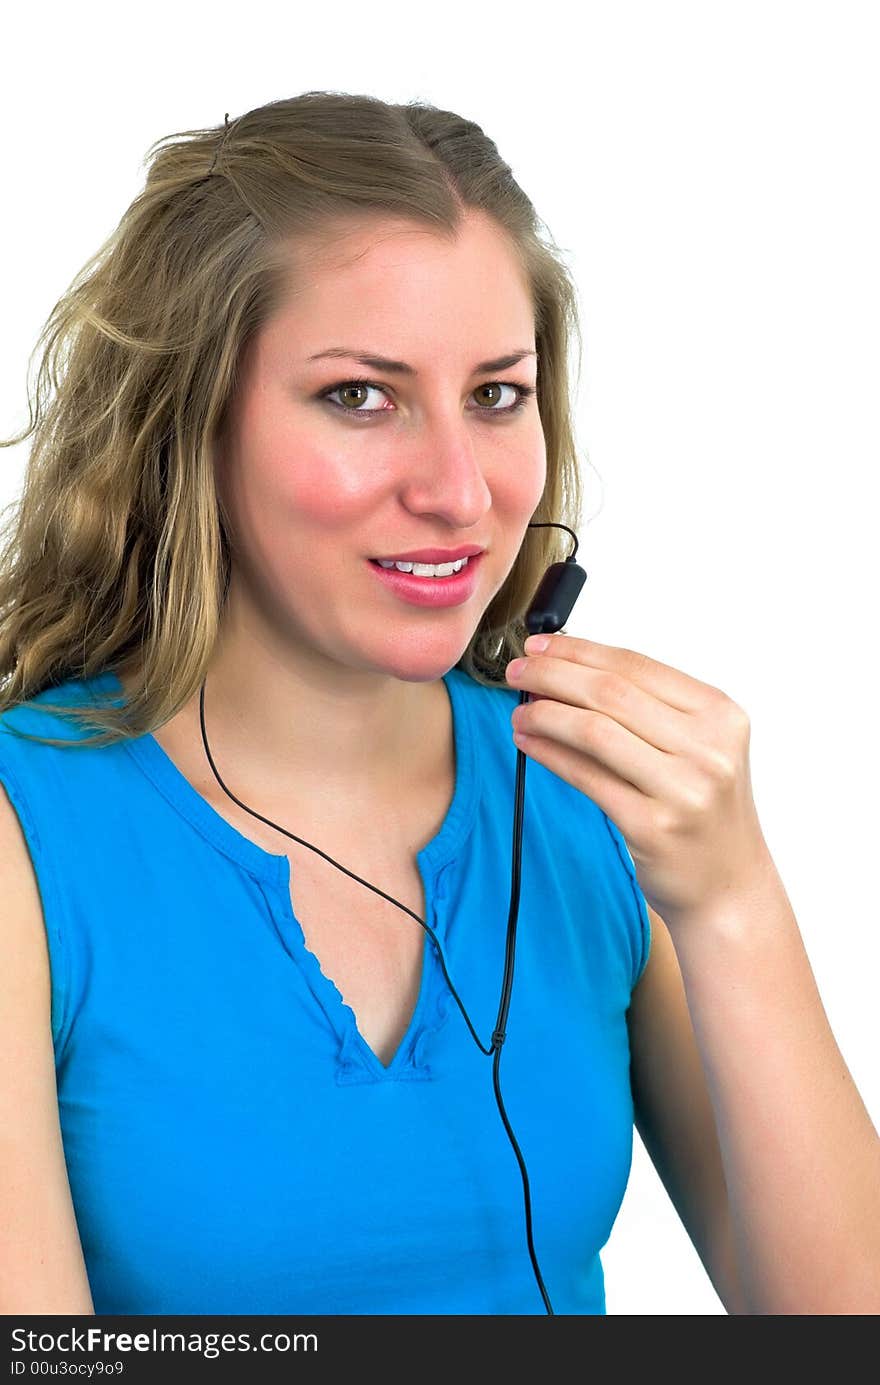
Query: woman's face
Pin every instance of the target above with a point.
(315, 487)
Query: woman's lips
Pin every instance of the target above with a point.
(435, 592)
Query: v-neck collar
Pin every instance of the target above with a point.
(356, 1061)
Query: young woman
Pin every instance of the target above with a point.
(253, 736)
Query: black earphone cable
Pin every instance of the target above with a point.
(540, 621)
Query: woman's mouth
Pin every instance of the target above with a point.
(420, 587)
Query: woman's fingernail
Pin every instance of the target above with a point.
(535, 644)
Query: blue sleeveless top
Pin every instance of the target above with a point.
(232, 1143)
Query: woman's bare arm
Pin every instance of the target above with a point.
(41, 1261)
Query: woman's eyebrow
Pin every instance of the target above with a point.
(401, 367)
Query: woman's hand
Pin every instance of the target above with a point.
(665, 756)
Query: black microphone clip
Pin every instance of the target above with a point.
(558, 590)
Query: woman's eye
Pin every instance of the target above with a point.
(364, 387)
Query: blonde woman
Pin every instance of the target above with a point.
(256, 727)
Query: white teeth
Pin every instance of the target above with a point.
(425, 569)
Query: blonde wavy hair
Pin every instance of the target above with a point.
(117, 550)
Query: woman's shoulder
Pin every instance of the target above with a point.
(48, 721)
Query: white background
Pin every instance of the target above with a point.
(711, 174)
